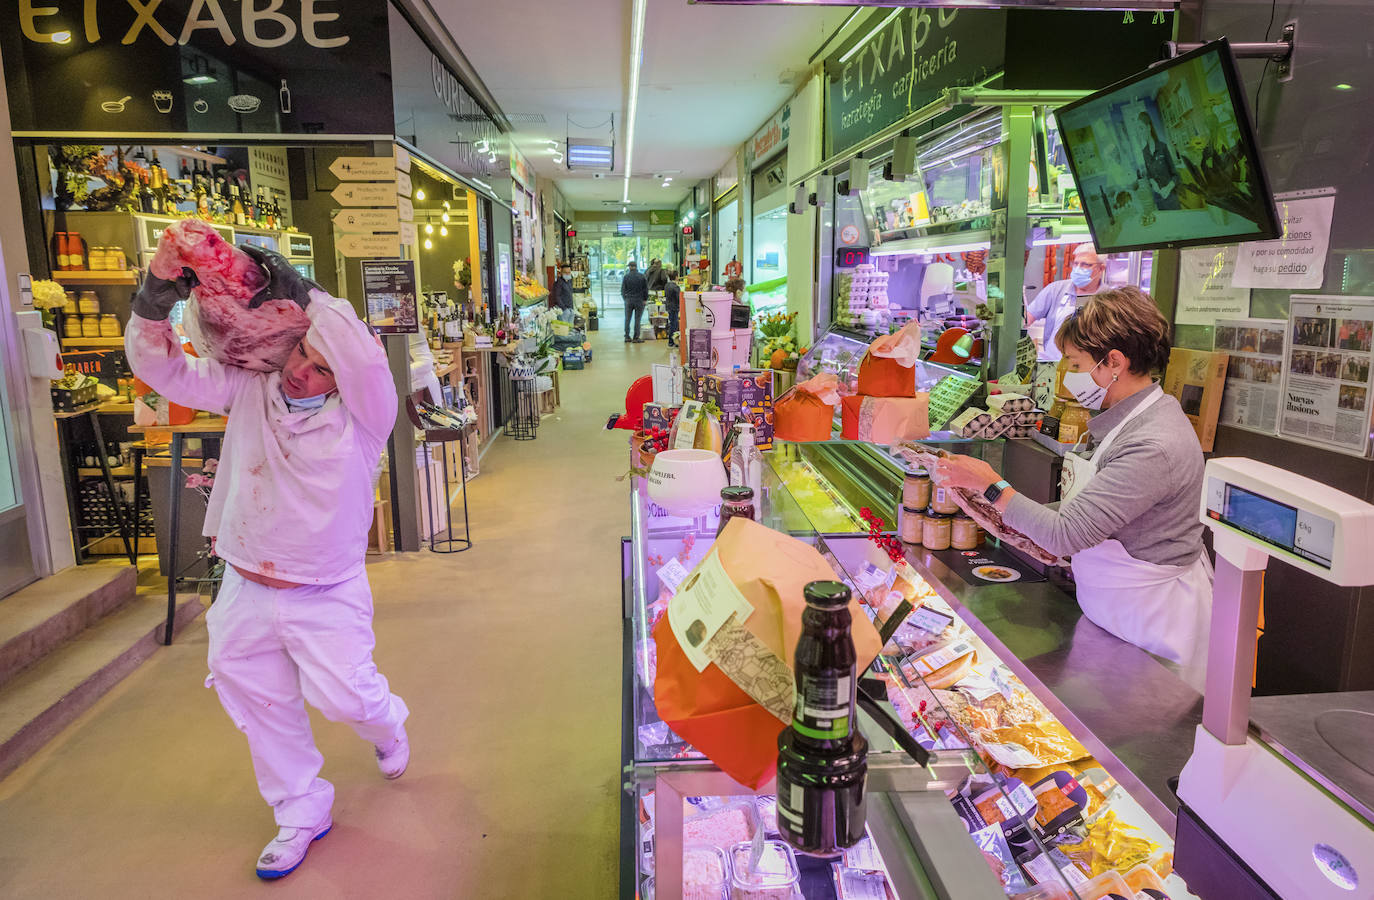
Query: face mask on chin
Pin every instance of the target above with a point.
(310, 404)
(1085, 390)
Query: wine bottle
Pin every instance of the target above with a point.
(185, 172)
(285, 97)
(236, 205)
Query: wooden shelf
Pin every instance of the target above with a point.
(127, 277)
(108, 343)
(117, 472)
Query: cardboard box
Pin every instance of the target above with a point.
(659, 415)
(748, 392)
(1196, 378)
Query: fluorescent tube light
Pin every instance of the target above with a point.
(877, 28)
(632, 108)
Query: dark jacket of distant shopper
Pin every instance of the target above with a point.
(562, 294)
(634, 289)
(656, 277)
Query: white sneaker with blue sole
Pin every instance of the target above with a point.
(287, 850)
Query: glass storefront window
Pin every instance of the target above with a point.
(768, 272)
(728, 217)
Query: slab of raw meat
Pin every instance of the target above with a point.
(218, 318)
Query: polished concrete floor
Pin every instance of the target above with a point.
(508, 656)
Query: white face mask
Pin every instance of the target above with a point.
(1084, 389)
(302, 404)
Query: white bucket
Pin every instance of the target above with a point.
(723, 352)
(711, 309)
(744, 345)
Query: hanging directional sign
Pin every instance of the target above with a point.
(367, 244)
(405, 208)
(355, 220)
(403, 185)
(363, 168)
(402, 159)
(365, 193)
(408, 233)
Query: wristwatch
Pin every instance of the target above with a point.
(995, 491)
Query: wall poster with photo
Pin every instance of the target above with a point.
(1254, 375)
(1327, 386)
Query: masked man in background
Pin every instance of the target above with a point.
(1055, 303)
(290, 511)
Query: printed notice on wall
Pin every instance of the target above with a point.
(1254, 376)
(1205, 292)
(390, 295)
(1297, 260)
(1327, 387)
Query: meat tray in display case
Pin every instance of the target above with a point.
(1016, 800)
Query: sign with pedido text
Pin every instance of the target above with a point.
(197, 66)
(1297, 260)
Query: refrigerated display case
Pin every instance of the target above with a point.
(682, 819)
(990, 209)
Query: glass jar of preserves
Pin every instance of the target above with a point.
(1073, 424)
(942, 501)
(109, 325)
(88, 304)
(937, 530)
(90, 326)
(910, 524)
(916, 490)
(736, 502)
(965, 533)
(70, 307)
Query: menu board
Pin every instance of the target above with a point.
(390, 295)
(1254, 375)
(1326, 386)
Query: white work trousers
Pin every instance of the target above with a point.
(273, 649)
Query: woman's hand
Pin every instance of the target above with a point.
(965, 472)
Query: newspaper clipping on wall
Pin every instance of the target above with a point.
(1254, 376)
(1327, 386)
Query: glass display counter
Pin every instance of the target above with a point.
(968, 824)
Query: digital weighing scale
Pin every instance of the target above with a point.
(1277, 799)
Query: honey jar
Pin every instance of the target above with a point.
(910, 525)
(937, 530)
(965, 533)
(916, 490)
(942, 501)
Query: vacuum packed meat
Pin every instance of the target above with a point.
(218, 319)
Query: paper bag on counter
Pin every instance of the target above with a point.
(885, 420)
(726, 646)
(806, 412)
(888, 368)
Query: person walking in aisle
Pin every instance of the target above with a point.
(634, 290)
(289, 512)
(656, 276)
(562, 297)
(673, 299)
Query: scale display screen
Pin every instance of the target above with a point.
(1286, 527)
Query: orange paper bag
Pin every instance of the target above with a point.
(885, 420)
(807, 411)
(726, 646)
(888, 368)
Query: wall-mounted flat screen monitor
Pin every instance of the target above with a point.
(1168, 157)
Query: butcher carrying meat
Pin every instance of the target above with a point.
(311, 403)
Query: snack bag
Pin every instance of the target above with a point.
(726, 646)
(888, 368)
(805, 413)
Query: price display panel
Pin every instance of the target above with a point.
(1286, 527)
(849, 257)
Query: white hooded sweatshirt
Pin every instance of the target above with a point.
(292, 498)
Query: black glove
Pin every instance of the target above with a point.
(282, 279)
(157, 296)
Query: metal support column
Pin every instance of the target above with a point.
(1018, 126)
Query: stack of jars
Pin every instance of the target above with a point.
(932, 518)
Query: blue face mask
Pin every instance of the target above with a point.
(304, 404)
(1081, 277)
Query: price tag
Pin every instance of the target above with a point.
(1002, 677)
(931, 620)
(671, 574)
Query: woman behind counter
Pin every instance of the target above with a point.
(1130, 520)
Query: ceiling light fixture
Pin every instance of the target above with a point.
(636, 63)
(429, 228)
(877, 28)
(443, 230)
(420, 194)
(429, 245)
(444, 217)
(585, 153)
(61, 37)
